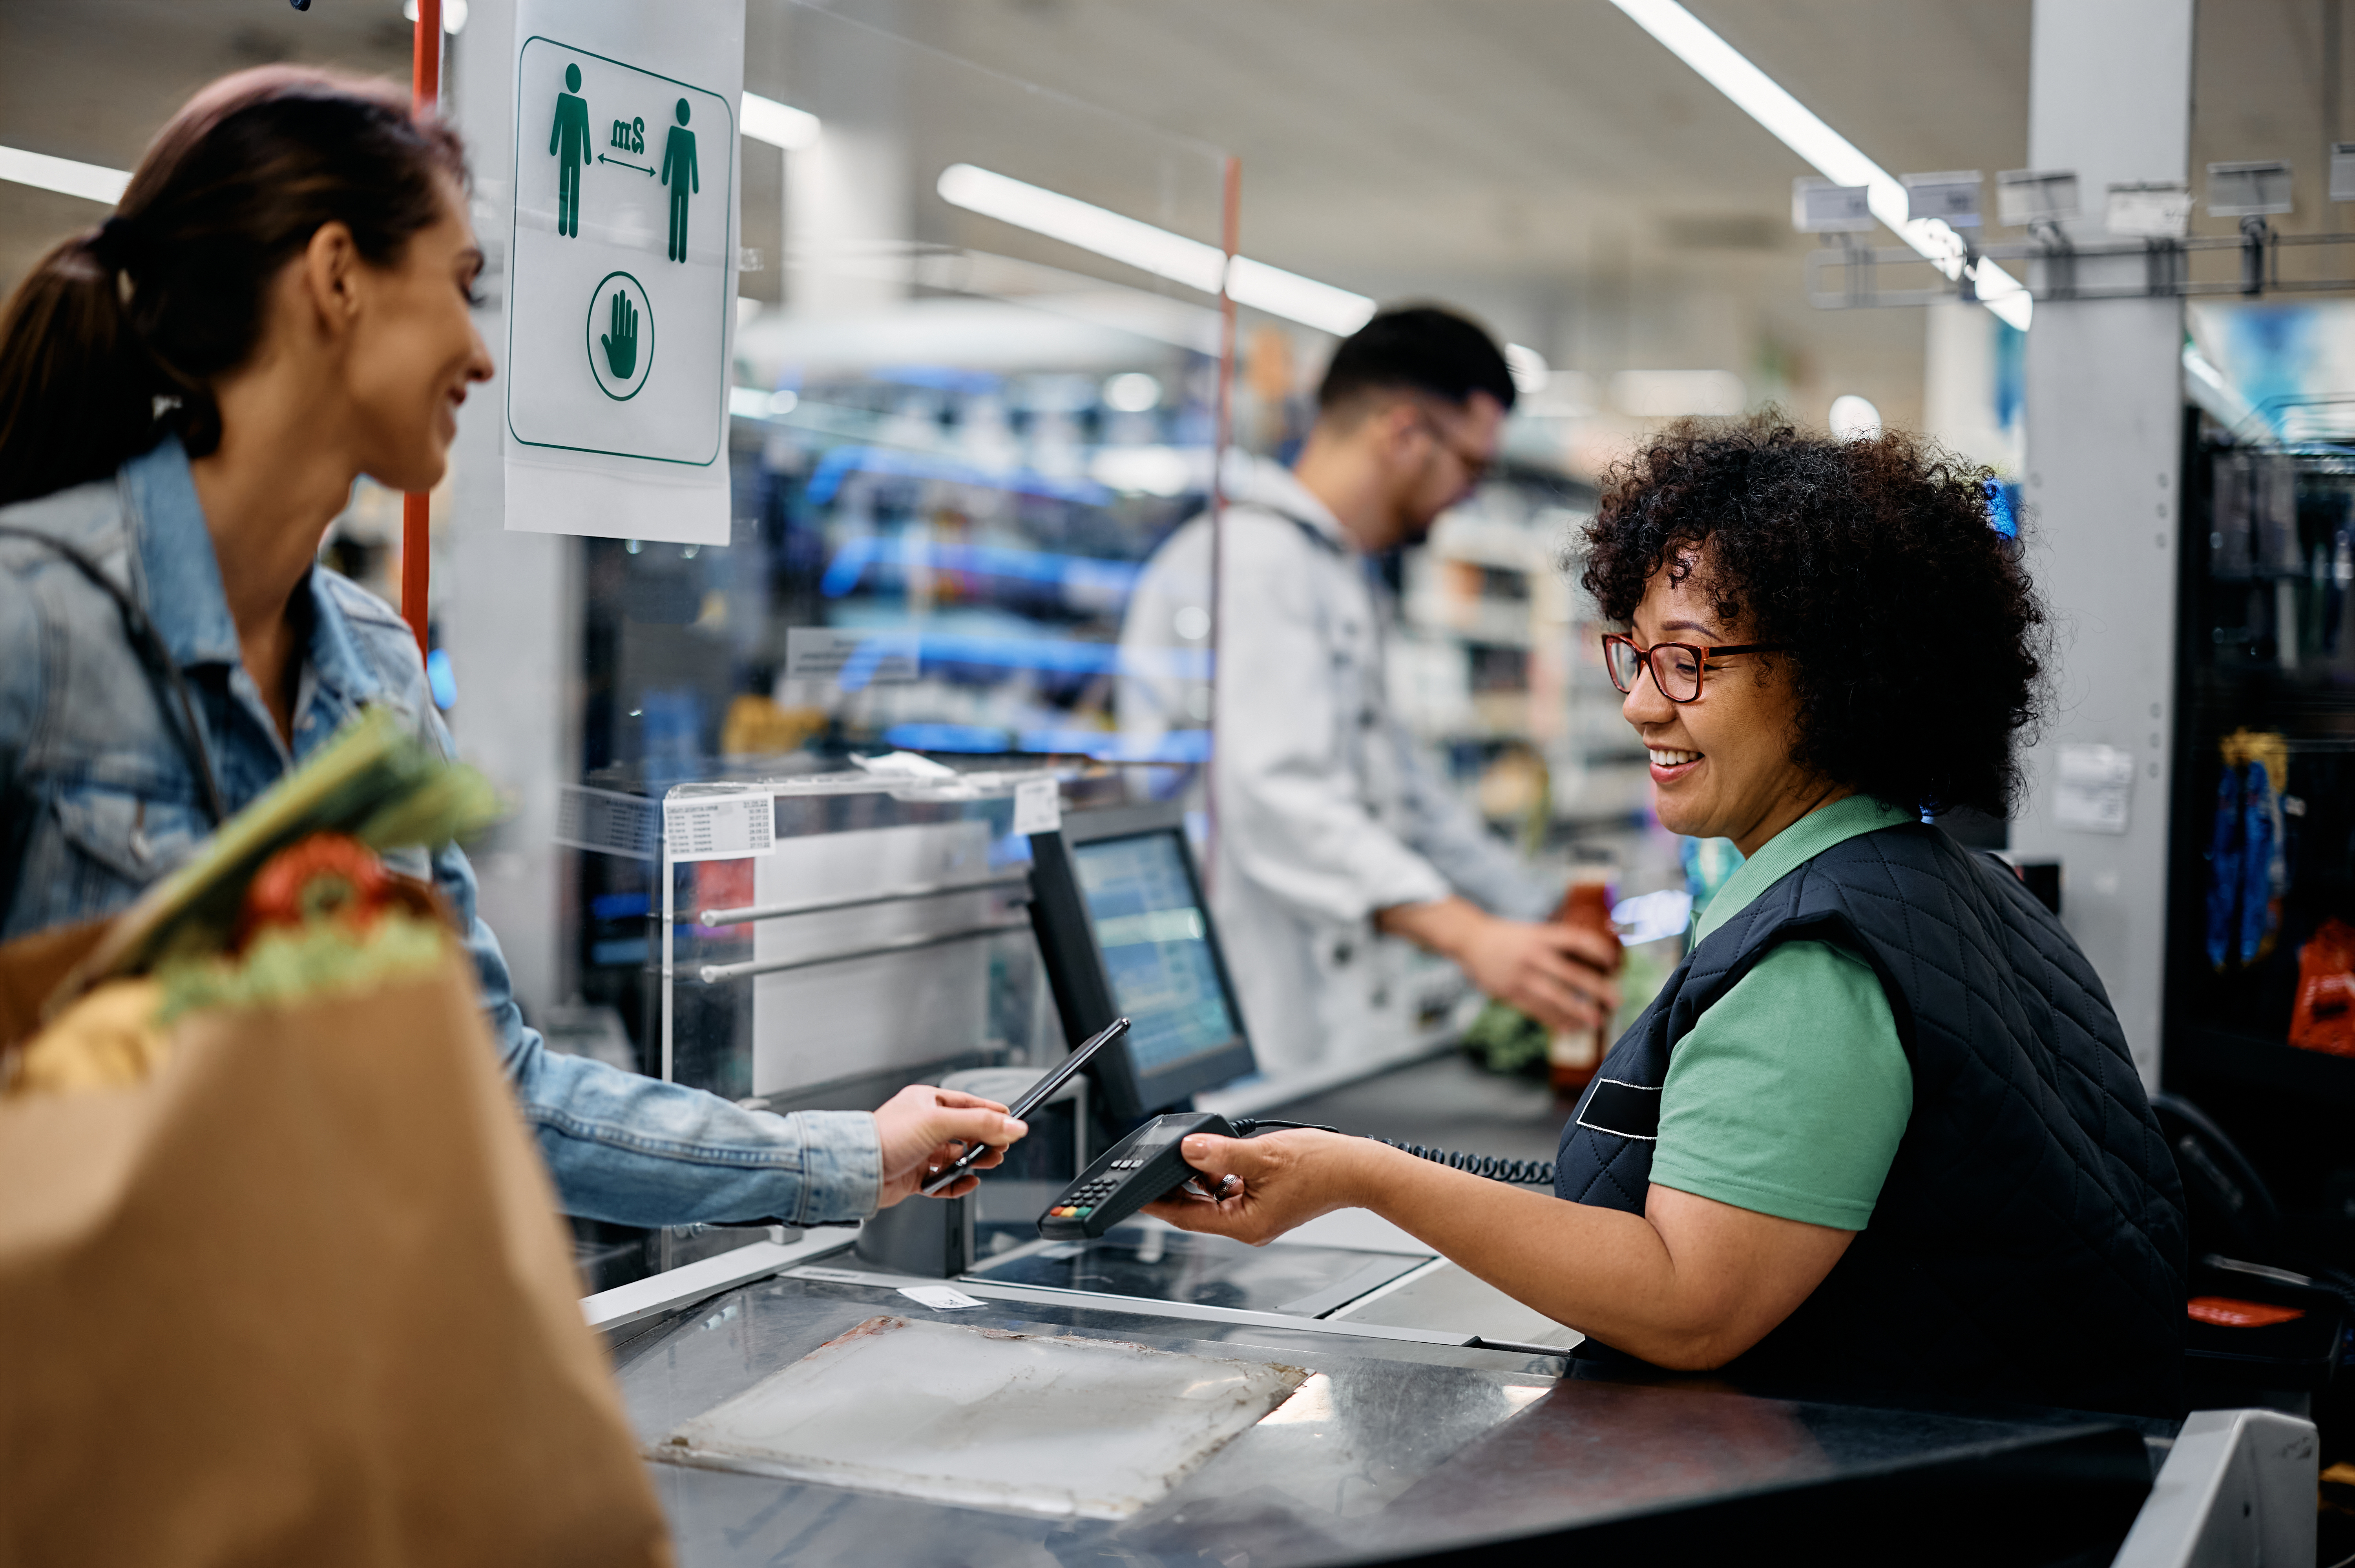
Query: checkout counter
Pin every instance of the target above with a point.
(1422, 1417)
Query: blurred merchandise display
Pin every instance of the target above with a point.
(1709, 864)
(2260, 998)
(2324, 1018)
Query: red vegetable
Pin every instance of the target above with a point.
(328, 876)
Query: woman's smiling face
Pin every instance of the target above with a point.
(1722, 767)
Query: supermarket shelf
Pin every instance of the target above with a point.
(2203, 1049)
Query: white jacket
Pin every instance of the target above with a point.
(1326, 808)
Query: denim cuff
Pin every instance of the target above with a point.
(842, 1166)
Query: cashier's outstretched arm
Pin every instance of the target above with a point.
(1689, 1282)
(923, 1129)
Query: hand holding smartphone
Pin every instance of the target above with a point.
(1037, 1095)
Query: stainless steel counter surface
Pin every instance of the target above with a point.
(1398, 1451)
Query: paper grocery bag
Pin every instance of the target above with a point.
(303, 1298)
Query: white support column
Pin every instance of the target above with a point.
(2109, 97)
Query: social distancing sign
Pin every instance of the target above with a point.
(621, 267)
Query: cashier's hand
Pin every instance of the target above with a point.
(923, 1128)
(1255, 1190)
(1558, 974)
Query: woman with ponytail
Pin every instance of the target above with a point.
(187, 392)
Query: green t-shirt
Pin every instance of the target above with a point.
(1789, 1095)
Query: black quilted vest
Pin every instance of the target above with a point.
(2029, 1242)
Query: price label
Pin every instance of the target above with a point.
(2151, 211)
(1038, 806)
(719, 827)
(939, 1297)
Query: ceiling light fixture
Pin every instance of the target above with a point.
(454, 15)
(1193, 262)
(1141, 245)
(1150, 249)
(1295, 298)
(92, 182)
(1854, 418)
(1834, 156)
(779, 125)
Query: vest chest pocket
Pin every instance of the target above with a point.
(1623, 1110)
(123, 836)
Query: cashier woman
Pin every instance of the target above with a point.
(1880, 1128)
(187, 391)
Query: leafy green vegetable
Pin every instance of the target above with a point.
(376, 780)
(293, 963)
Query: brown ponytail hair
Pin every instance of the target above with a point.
(118, 334)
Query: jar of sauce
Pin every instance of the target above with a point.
(1573, 1055)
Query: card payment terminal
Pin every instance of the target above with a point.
(1142, 1167)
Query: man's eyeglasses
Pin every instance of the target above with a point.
(1677, 668)
(1476, 464)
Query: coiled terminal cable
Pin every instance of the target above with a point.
(1520, 1172)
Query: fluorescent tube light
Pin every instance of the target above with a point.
(1833, 155)
(1295, 298)
(92, 182)
(454, 15)
(1091, 227)
(1193, 262)
(1531, 371)
(779, 125)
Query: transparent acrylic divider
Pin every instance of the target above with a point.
(880, 936)
(977, 380)
(979, 384)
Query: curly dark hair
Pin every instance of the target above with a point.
(1918, 642)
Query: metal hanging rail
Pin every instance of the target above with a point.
(712, 917)
(957, 789)
(2054, 262)
(713, 973)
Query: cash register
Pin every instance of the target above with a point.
(1124, 931)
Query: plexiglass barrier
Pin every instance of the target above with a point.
(876, 933)
(960, 419)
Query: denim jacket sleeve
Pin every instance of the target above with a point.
(97, 799)
(622, 1146)
(638, 1151)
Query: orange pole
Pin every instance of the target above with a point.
(1230, 226)
(416, 510)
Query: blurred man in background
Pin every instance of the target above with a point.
(1333, 825)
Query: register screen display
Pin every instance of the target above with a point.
(1157, 950)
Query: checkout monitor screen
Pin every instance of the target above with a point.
(1155, 937)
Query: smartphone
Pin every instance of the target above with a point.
(1037, 1095)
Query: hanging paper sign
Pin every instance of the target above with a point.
(621, 263)
(2094, 789)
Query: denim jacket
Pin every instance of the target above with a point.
(104, 800)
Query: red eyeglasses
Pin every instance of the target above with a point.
(1676, 667)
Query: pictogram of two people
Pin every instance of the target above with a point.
(569, 143)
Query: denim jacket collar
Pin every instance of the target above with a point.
(181, 579)
(184, 595)
(341, 670)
